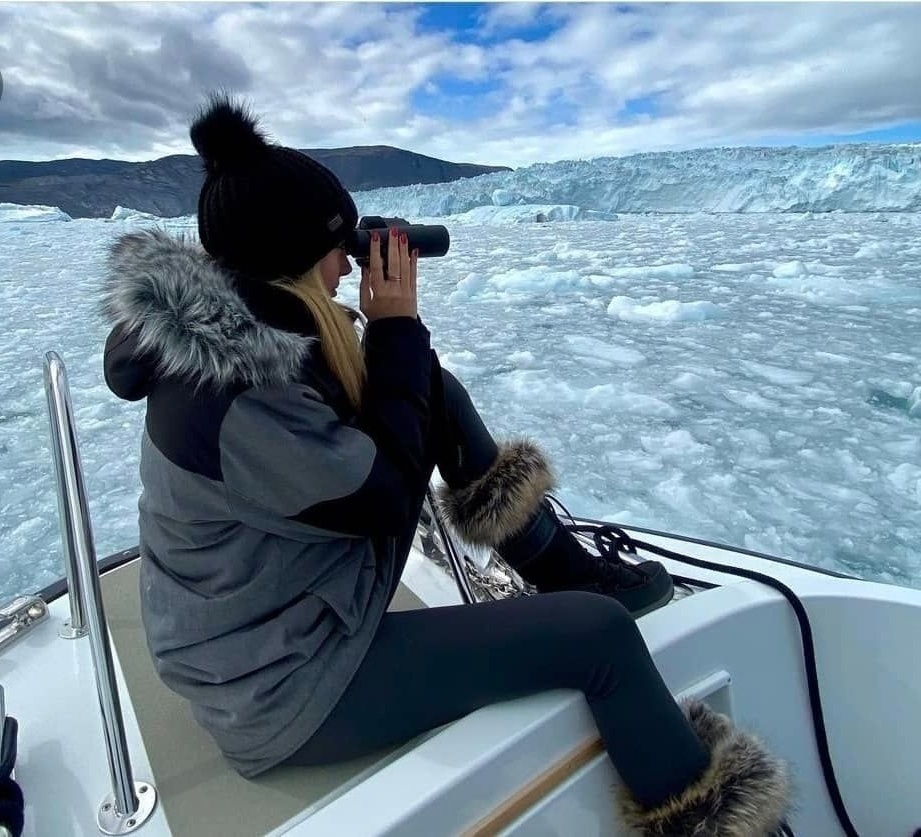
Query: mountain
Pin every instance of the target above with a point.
(170, 185)
(837, 178)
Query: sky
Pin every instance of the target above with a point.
(502, 84)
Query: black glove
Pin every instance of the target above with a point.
(11, 801)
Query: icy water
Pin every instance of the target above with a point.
(749, 379)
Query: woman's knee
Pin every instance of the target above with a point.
(597, 618)
(467, 449)
(455, 393)
(599, 641)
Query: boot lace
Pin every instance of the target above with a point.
(609, 541)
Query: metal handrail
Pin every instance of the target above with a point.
(460, 571)
(58, 411)
(130, 803)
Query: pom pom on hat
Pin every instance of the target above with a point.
(225, 134)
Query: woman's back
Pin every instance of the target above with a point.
(257, 617)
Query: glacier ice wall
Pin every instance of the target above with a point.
(842, 178)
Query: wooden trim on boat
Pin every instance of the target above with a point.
(528, 795)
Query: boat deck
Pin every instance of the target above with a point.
(200, 793)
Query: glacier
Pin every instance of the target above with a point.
(840, 178)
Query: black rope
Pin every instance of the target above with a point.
(812, 680)
(624, 542)
(613, 537)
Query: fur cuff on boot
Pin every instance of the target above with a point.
(500, 503)
(743, 793)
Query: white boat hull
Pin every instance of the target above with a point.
(737, 645)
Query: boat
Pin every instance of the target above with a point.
(817, 663)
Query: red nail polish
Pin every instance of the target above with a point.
(403, 238)
(375, 237)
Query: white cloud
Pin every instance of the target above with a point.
(124, 80)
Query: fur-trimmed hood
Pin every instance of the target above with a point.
(189, 317)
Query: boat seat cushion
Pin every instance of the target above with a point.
(200, 793)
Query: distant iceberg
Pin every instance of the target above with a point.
(529, 213)
(14, 212)
(123, 213)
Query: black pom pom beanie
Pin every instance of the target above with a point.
(264, 211)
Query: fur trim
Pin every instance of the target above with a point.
(711, 727)
(503, 500)
(743, 793)
(190, 317)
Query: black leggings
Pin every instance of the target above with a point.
(429, 667)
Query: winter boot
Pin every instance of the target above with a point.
(506, 510)
(743, 793)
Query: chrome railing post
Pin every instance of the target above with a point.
(75, 626)
(457, 566)
(130, 803)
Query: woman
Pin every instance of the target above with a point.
(284, 468)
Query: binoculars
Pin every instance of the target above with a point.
(429, 239)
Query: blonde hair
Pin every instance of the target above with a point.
(338, 338)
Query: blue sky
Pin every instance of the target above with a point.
(506, 83)
(464, 22)
(907, 132)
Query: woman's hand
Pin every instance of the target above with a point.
(392, 294)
